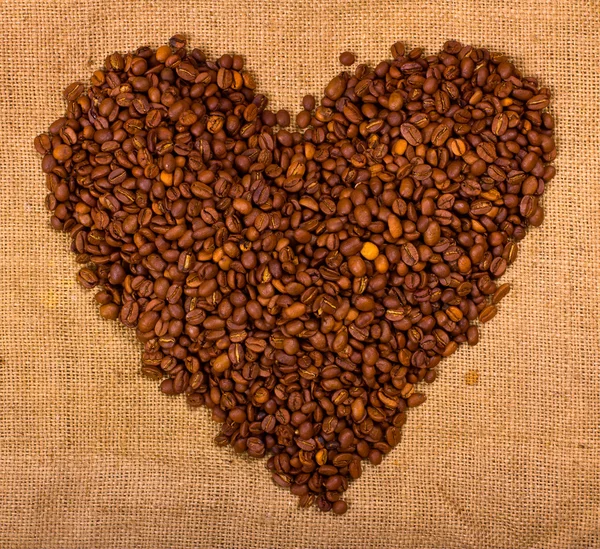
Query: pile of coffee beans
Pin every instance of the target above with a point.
(300, 285)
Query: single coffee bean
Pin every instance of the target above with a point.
(500, 124)
(334, 90)
(500, 293)
(109, 311)
(303, 119)
(411, 133)
(488, 313)
(340, 507)
(283, 118)
(472, 335)
(308, 102)
(347, 58)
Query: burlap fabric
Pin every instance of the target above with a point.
(506, 452)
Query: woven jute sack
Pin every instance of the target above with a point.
(505, 453)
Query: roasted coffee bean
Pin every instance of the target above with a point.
(488, 313)
(412, 134)
(347, 58)
(300, 285)
(500, 293)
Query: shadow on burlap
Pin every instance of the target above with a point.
(505, 453)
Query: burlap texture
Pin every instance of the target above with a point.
(506, 452)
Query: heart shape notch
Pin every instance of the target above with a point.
(300, 284)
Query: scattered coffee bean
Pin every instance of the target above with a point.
(500, 293)
(300, 285)
(283, 118)
(347, 58)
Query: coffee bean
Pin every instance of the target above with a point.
(369, 251)
(529, 162)
(397, 50)
(487, 152)
(528, 205)
(347, 58)
(498, 266)
(308, 102)
(300, 285)
(411, 133)
(294, 311)
(500, 124)
(440, 134)
(334, 90)
(416, 399)
(472, 335)
(303, 119)
(87, 278)
(62, 153)
(357, 266)
(538, 102)
(395, 103)
(73, 91)
(500, 293)
(129, 313)
(283, 118)
(109, 311)
(457, 147)
(488, 313)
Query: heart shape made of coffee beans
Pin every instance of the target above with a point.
(300, 285)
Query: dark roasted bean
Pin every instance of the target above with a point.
(347, 58)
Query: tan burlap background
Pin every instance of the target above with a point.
(506, 452)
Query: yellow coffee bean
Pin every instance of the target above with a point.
(369, 251)
(400, 147)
